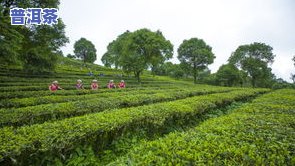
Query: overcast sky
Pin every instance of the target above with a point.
(222, 24)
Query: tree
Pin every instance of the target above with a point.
(203, 74)
(34, 46)
(176, 71)
(71, 56)
(147, 48)
(267, 79)
(41, 47)
(85, 50)
(170, 69)
(164, 69)
(107, 60)
(280, 84)
(228, 75)
(158, 49)
(196, 55)
(114, 50)
(137, 51)
(186, 69)
(211, 79)
(10, 40)
(39, 59)
(254, 59)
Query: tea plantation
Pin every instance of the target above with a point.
(158, 122)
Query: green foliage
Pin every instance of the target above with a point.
(211, 80)
(196, 55)
(34, 46)
(71, 56)
(85, 50)
(10, 40)
(258, 133)
(38, 59)
(137, 51)
(281, 84)
(122, 145)
(93, 103)
(36, 98)
(106, 59)
(229, 75)
(38, 91)
(254, 59)
(170, 69)
(202, 75)
(29, 144)
(115, 50)
(83, 156)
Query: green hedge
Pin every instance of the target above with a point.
(59, 98)
(72, 82)
(259, 133)
(21, 94)
(72, 86)
(42, 113)
(33, 145)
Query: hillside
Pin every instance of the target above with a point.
(161, 121)
(68, 71)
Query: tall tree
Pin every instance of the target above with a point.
(42, 46)
(107, 60)
(139, 50)
(254, 59)
(85, 50)
(159, 49)
(196, 55)
(35, 46)
(10, 39)
(114, 50)
(147, 49)
(229, 75)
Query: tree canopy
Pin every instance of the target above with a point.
(85, 50)
(114, 50)
(254, 59)
(138, 50)
(196, 55)
(36, 47)
(10, 40)
(229, 75)
(170, 69)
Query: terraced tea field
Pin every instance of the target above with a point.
(159, 122)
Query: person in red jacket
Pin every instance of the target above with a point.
(122, 84)
(94, 85)
(111, 84)
(54, 86)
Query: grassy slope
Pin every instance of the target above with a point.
(69, 70)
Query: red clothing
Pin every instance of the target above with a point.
(122, 85)
(53, 87)
(94, 86)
